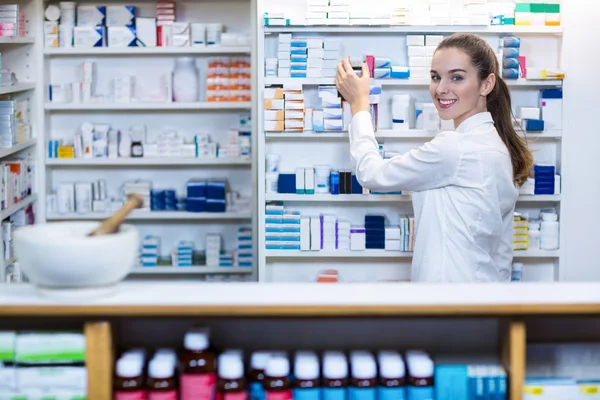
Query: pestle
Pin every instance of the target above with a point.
(111, 224)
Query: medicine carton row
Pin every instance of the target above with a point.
(414, 12)
(120, 26)
(289, 230)
(185, 254)
(12, 20)
(15, 126)
(16, 182)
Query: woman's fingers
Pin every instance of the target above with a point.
(340, 70)
(347, 67)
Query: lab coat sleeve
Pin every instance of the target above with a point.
(430, 166)
(504, 256)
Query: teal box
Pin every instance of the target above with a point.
(451, 382)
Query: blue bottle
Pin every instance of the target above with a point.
(363, 385)
(258, 363)
(392, 380)
(420, 376)
(335, 376)
(306, 376)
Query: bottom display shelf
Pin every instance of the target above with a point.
(387, 254)
(195, 270)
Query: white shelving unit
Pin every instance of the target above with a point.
(20, 56)
(196, 270)
(542, 46)
(148, 65)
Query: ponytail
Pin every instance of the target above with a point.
(498, 101)
(499, 105)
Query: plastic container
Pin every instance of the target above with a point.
(420, 376)
(363, 385)
(272, 164)
(258, 363)
(401, 112)
(534, 235)
(129, 381)
(162, 384)
(517, 272)
(199, 367)
(550, 232)
(431, 118)
(392, 380)
(213, 34)
(322, 173)
(306, 373)
(272, 182)
(335, 376)
(277, 383)
(65, 35)
(198, 34)
(185, 80)
(231, 384)
(67, 12)
(52, 13)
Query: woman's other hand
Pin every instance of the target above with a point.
(355, 90)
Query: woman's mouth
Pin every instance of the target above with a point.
(446, 103)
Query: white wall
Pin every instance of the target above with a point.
(581, 141)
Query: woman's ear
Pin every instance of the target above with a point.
(488, 85)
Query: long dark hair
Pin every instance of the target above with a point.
(498, 101)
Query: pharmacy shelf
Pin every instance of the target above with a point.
(156, 216)
(379, 198)
(196, 270)
(17, 207)
(19, 87)
(206, 105)
(336, 254)
(384, 254)
(146, 51)
(16, 40)
(403, 82)
(147, 162)
(392, 134)
(354, 29)
(15, 149)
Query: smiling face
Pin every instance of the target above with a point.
(456, 89)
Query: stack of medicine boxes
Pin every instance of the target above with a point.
(375, 231)
(243, 255)
(511, 57)
(183, 254)
(420, 54)
(305, 57)
(520, 232)
(274, 110)
(150, 251)
(213, 249)
(206, 196)
(8, 131)
(282, 228)
(544, 179)
(294, 108)
(331, 118)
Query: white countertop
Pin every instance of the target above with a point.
(135, 294)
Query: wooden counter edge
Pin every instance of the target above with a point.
(300, 310)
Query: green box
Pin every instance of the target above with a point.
(538, 8)
(7, 347)
(523, 7)
(553, 8)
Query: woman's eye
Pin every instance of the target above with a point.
(457, 78)
(435, 78)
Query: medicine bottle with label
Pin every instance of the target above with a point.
(199, 367)
(129, 380)
(420, 376)
(162, 384)
(231, 384)
(258, 363)
(306, 374)
(391, 376)
(277, 383)
(335, 376)
(363, 385)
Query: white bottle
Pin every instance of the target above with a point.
(534, 235)
(431, 118)
(185, 80)
(401, 112)
(549, 232)
(517, 272)
(124, 144)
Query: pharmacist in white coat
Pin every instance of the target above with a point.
(464, 181)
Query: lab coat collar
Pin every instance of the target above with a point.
(475, 121)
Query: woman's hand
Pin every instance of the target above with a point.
(355, 90)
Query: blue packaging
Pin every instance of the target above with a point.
(510, 73)
(551, 94)
(391, 393)
(334, 393)
(400, 73)
(215, 190)
(215, 205)
(376, 246)
(451, 382)
(196, 204)
(510, 63)
(356, 187)
(257, 391)
(510, 52)
(420, 393)
(511, 41)
(534, 125)
(298, 74)
(334, 186)
(307, 394)
(355, 393)
(374, 219)
(298, 68)
(286, 183)
(196, 189)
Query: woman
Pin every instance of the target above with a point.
(464, 181)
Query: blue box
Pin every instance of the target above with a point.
(375, 246)
(215, 205)
(551, 94)
(369, 218)
(196, 204)
(356, 187)
(216, 190)
(451, 382)
(196, 189)
(286, 183)
(534, 125)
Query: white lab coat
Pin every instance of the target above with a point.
(464, 198)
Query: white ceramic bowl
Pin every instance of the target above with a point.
(59, 255)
